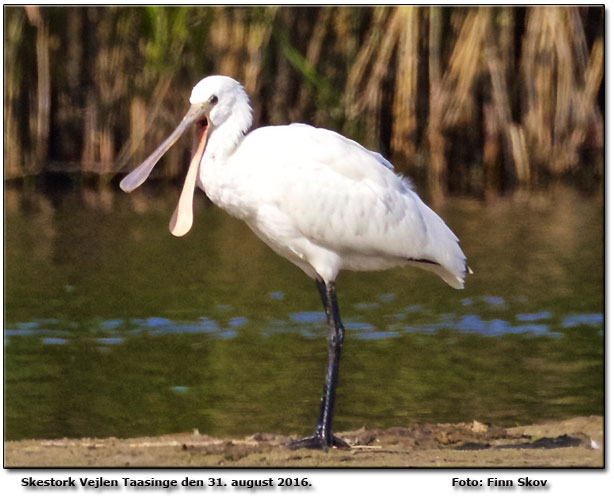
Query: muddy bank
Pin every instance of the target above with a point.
(577, 442)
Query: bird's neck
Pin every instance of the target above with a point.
(227, 137)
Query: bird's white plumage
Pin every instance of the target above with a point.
(317, 198)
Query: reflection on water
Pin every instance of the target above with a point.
(114, 327)
(312, 323)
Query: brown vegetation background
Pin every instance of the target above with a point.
(472, 100)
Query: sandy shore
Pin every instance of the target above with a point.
(577, 442)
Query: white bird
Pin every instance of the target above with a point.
(316, 198)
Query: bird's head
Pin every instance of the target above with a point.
(215, 100)
(220, 98)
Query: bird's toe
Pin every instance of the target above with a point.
(318, 442)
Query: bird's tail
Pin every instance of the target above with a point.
(452, 279)
(451, 263)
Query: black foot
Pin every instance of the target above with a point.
(317, 442)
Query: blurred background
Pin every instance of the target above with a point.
(115, 328)
(466, 100)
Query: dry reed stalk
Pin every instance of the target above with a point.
(520, 155)
(587, 115)
(591, 70)
(515, 157)
(239, 45)
(578, 38)
(107, 93)
(258, 38)
(474, 95)
(138, 128)
(353, 103)
(561, 88)
(74, 51)
(584, 113)
(370, 101)
(143, 118)
(347, 42)
(491, 149)
(227, 41)
(538, 66)
(13, 165)
(594, 77)
(280, 108)
(90, 128)
(500, 36)
(106, 151)
(404, 118)
(436, 142)
(564, 93)
(464, 66)
(314, 50)
(39, 122)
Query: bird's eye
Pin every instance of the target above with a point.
(213, 99)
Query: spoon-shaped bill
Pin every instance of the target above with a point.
(140, 174)
(181, 221)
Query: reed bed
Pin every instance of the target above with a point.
(473, 100)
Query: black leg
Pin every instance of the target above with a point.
(322, 436)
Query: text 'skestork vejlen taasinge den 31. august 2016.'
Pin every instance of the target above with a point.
(316, 198)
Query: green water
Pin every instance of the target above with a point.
(115, 328)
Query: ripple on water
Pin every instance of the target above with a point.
(308, 317)
(237, 321)
(31, 327)
(110, 340)
(54, 340)
(530, 317)
(414, 308)
(366, 306)
(310, 325)
(358, 326)
(112, 324)
(18, 332)
(494, 300)
(475, 324)
(369, 336)
(387, 297)
(156, 325)
(28, 325)
(575, 320)
(534, 329)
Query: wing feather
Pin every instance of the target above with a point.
(348, 199)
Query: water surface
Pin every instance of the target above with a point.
(115, 328)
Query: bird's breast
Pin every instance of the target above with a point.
(229, 187)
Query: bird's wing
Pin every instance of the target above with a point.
(327, 147)
(347, 199)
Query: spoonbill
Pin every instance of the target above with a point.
(316, 198)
